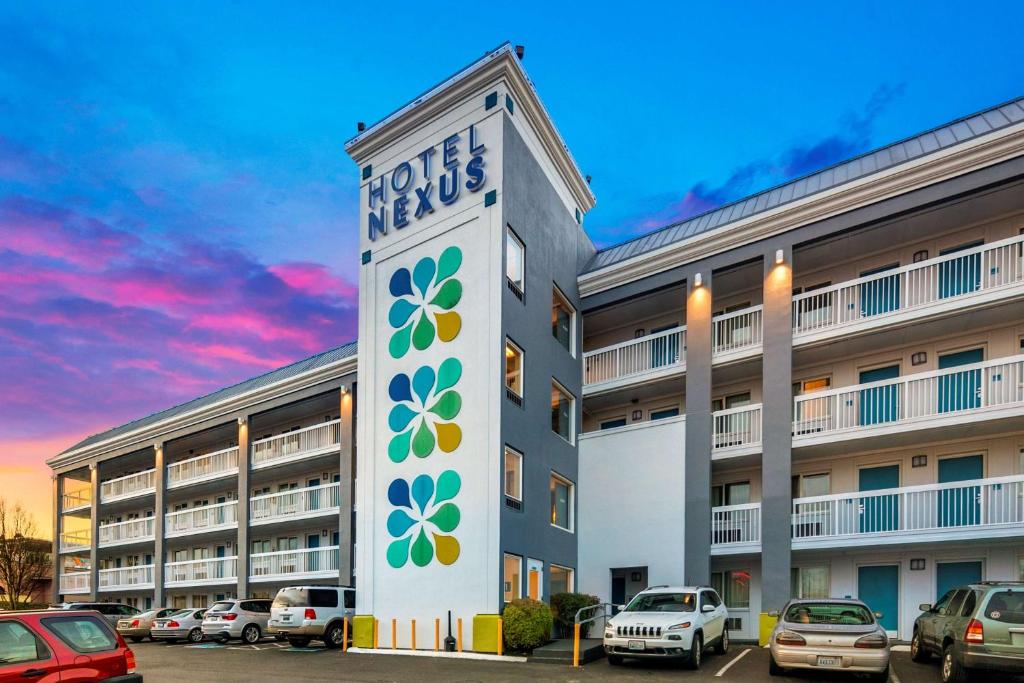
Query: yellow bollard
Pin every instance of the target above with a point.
(413, 634)
(459, 638)
(437, 634)
(376, 633)
(394, 634)
(344, 634)
(500, 639)
(576, 646)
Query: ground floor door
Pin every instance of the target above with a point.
(534, 579)
(960, 506)
(879, 587)
(949, 575)
(882, 512)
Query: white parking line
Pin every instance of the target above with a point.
(734, 660)
(892, 674)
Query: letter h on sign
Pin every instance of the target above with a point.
(377, 219)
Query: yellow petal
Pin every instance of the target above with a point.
(449, 436)
(448, 325)
(447, 548)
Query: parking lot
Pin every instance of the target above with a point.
(270, 660)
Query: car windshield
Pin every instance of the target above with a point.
(829, 613)
(291, 597)
(663, 602)
(1007, 607)
(222, 606)
(180, 613)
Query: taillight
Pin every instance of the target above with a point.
(129, 660)
(789, 638)
(873, 641)
(173, 624)
(230, 616)
(975, 632)
(310, 613)
(135, 623)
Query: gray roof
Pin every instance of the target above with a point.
(923, 144)
(297, 368)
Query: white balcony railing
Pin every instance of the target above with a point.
(736, 525)
(651, 354)
(197, 572)
(203, 468)
(736, 333)
(74, 582)
(940, 393)
(138, 484)
(127, 532)
(202, 518)
(75, 540)
(126, 578)
(309, 562)
(737, 429)
(959, 508)
(321, 438)
(75, 500)
(916, 288)
(306, 502)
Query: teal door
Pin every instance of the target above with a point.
(880, 295)
(879, 513)
(313, 559)
(219, 566)
(314, 496)
(879, 587)
(960, 506)
(960, 390)
(879, 404)
(950, 575)
(959, 275)
(664, 350)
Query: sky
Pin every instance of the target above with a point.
(177, 212)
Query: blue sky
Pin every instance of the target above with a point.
(177, 211)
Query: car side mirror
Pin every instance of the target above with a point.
(621, 608)
(707, 608)
(925, 607)
(774, 613)
(878, 616)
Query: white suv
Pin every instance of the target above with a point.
(302, 613)
(667, 621)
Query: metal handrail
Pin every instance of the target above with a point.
(577, 622)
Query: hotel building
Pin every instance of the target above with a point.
(816, 390)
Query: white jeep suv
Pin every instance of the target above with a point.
(667, 621)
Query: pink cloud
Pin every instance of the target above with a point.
(314, 279)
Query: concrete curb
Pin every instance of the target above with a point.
(439, 655)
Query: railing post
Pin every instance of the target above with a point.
(576, 645)
(501, 641)
(344, 634)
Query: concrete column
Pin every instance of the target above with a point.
(56, 488)
(697, 494)
(94, 532)
(776, 430)
(347, 471)
(242, 544)
(159, 547)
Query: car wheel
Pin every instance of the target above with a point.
(334, 636)
(251, 634)
(298, 642)
(952, 670)
(195, 635)
(722, 646)
(774, 669)
(615, 660)
(696, 652)
(918, 652)
(136, 639)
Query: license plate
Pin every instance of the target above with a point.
(159, 624)
(828, 661)
(286, 617)
(636, 645)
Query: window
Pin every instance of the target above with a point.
(321, 597)
(812, 415)
(561, 502)
(809, 582)
(807, 485)
(970, 602)
(83, 634)
(513, 571)
(709, 598)
(513, 478)
(617, 422)
(563, 320)
(734, 587)
(350, 599)
(732, 401)
(18, 644)
(662, 413)
(561, 411)
(561, 580)
(513, 372)
(515, 263)
(1006, 607)
(737, 493)
(178, 602)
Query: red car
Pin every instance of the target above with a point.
(54, 645)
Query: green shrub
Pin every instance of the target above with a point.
(526, 624)
(565, 606)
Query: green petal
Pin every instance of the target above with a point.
(448, 374)
(399, 344)
(449, 295)
(423, 442)
(448, 406)
(446, 518)
(398, 552)
(398, 448)
(448, 263)
(422, 551)
(448, 485)
(423, 335)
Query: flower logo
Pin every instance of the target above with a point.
(436, 293)
(435, 405)
(431, 513)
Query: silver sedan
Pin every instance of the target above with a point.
(185, 624)
(829, 634)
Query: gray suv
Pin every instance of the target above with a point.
(973, 628)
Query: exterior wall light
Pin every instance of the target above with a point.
(698, 281)
(780, 256)
(344, 387)
(919, 358)
(917, 564)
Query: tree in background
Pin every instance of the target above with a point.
(24, 559)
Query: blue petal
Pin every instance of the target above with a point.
(399, 522)
(400, 417)
(400, 283)
(423, 382)
(422, 490)
(398, 494)
(400, 312)
(399, 390)
(423, 274)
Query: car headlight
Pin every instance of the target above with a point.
(609, 633)
(676, 627)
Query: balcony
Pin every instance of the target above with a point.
(208, 572)
(635, 361)
(736, 529)
(127, 578)
(928, 400)
(737, 335)
(75, 541)
(130, 486)
(131, 531)
(737, 431)
(309, 563)
(203, 519)
(981, 508)
(74, 583)
(302, 443)
(305, 503)
(940, 286)
(76, 501)
(203, 468)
